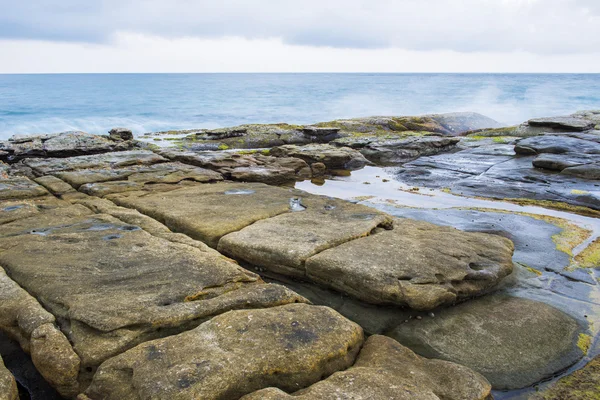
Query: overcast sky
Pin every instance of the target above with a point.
(299, 36)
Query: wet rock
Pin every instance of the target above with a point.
(556, 144)
(8, 385)
(487, 173)
(416, 264)
(63, 144)
(113, 285)
(401, 150)
(511, 341)
(533, 238)
(572, 124)
(332, 157)
(583, 384)
(233, 354)
(580, 121)
(585, 171)
(3, 170)
(387, 370)
(284, 243)
(120, 134)
(558, 162)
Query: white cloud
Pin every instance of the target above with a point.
(129, 52)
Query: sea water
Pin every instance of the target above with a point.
(96, 103)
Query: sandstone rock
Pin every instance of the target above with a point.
(387, 370)
(208, 212)
(137, 179)
(416, 264)
(233, 354)
(583, 384)
(120, 134)
(26, 321)
(56, 186)
(20, 188)
(264, 174)
(63, 144)
(55, 359)
(8, 385)
(573, 124)
(12, 210)
(49, 166)
(284, 243)
(332, 157)
(224, 133)
(114, 285)
(511, 341)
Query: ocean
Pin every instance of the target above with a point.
(96, 103)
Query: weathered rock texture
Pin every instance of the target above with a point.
(387, 370)
(494, 170)
(8, 386)
(236, 353)
(63, 144)
(416, 264)
(114, 285)
(513, 342)
(333, 157)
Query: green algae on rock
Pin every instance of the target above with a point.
(583, 384)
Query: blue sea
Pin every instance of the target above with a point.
(96, 103)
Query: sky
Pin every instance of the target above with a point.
(59, 36)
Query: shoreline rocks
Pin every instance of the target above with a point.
(511, 341)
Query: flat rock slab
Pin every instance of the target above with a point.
(387, 370)
(333, 157)
(483, 172)
(569, 123)
(12, 210)
(208, 212)
(236, 353)
(48, 166)
(8, 385)
(63, 144)
(556, 144)
(20, 188)
(164, 172)
(284, 243)
(511, 341)
(416, 264)
(532, 237)
(583, 384)
(397, 151)
(114, 285)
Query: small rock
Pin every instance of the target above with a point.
(120, 134)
